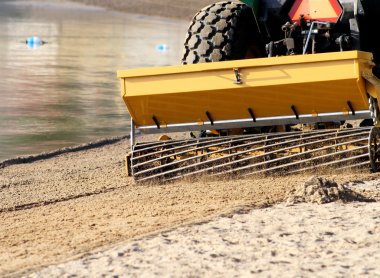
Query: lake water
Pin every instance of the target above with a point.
(65, 92)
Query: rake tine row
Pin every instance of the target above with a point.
(196, 147)
(252, 154)
(163, 146)
(269, 169)
(262, 148)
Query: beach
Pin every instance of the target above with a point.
(75, 212)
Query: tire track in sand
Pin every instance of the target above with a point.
(55, 201)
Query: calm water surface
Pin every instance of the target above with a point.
(66, 91)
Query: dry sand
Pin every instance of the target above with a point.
(335, 240)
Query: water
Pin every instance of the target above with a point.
(65, 92)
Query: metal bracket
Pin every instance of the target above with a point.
(295, 112)
(310, 33)
(209, 117)
(351, 107)
(250, 111)
(372, 84)
(133, 134)
(156, 122)
(237, 75)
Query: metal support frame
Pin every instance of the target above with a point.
(310, 33)
(260, 121)
(133, 133)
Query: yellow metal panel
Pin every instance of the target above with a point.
(318, 83)
(297, 59)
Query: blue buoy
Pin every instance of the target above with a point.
(34, 42)
(162, 47)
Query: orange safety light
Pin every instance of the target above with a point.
(321, 10)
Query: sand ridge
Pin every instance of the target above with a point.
(321, 190)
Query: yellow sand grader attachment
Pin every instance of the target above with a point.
(251, 93)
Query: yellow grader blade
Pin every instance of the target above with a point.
(247, 93)
(252, 93)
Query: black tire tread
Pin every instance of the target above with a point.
(212, 33)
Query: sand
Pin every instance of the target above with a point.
(335, 240)
(64, 207)
(75, 212)
(70, 204)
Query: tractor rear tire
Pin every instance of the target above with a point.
(222, 31)
(369, 32)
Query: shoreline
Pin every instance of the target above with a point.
(158, 10)
(54, 153)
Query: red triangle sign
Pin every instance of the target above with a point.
(321, 10)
